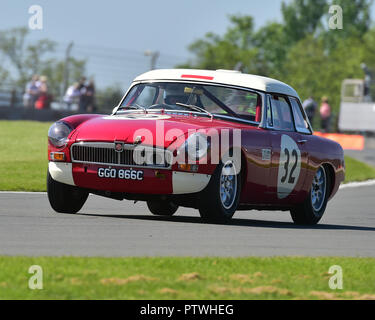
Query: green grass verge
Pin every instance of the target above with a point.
(358, 171)
(23, 157)
(187, 278)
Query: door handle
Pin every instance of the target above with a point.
(301, 141)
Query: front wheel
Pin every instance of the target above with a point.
(65, 198)
(162, 208)
(219, 201)
(311, 211)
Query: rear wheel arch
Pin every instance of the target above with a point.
(311, 211)
(331, 174)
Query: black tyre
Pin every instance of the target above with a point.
(162, 208)
(65, 198)
(311, 211)
(219, 201)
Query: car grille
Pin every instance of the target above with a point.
(105, 153)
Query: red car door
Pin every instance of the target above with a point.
(289, 154)
(257, 144)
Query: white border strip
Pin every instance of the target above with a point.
(22, 192)
(28, 193)
(368, 183)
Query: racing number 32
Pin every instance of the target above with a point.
(286, 167)
(289, 167)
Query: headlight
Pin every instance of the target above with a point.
(196, 146)
(58, 134)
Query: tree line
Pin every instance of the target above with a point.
(301, 50)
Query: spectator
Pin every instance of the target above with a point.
(325, 114)
(72, 95)
(310, 107)
(83, 97)
(81, 83)
(44, 98)
(31, 92)
(90, 97)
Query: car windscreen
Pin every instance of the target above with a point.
(216, 100)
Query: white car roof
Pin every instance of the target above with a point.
(227, 77)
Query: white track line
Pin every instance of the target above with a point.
(368, 183)
(22, 192)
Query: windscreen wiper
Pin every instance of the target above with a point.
(196, 108)
(135, 106)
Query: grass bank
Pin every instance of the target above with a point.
(358, 171)
(187, 278)
(23, 155)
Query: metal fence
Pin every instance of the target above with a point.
(12, 108)
(10, 98)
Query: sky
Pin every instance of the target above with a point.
(114, 34)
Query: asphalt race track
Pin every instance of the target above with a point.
(28, 226)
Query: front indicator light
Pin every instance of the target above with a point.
(188, 167)
(57, 156)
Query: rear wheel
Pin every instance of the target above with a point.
(311, 211)
(162, 208)
(65, 198)
(219, 201)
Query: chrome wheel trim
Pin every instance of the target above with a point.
(318, 189)
(228, 185)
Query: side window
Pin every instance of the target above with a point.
(301, 123)
(281, 114)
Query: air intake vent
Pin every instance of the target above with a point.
(105, 153)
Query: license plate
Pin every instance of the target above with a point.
(126, 174)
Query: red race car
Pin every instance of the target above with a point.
(218, 141)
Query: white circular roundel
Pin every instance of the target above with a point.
(289, 167)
